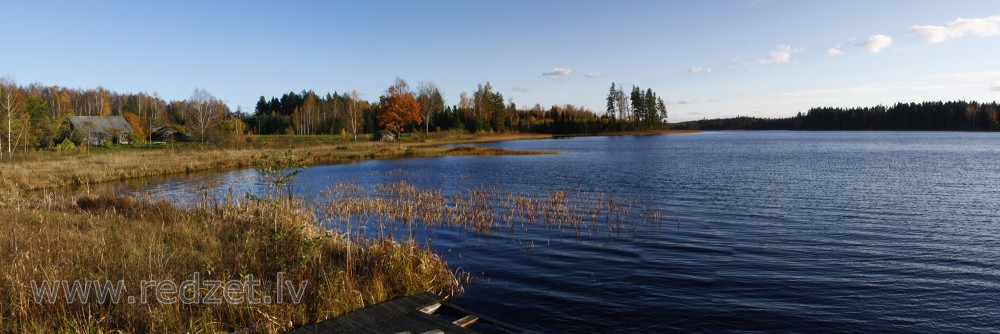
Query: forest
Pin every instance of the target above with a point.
(34, 117)
(926, 116)
(484, 110)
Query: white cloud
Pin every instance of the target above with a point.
(834, 52)
(995, 87)
(558, 73)
(781, 56)
(875, 43)
(593, 75)
(701, 70)
(520, 89)
(932, 34)
(984, 27)
(682, 101)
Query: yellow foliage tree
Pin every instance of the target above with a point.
(138, 125)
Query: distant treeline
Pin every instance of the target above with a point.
(956, 115)
(484, 110)
(35, 116)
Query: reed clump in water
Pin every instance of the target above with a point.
(51, 237)
(487, 210)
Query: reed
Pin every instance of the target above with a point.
(485, 210)
(47, 236)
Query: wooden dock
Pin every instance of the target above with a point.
(421, 313)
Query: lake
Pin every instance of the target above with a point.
(786, 231)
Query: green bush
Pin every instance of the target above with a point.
(135, 140)
(66, 147)
(77, 137)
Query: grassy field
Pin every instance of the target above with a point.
(49, 170)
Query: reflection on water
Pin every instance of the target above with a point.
(790, 231)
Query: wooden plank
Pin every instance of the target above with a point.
(430, 309)
(466, 321)
(448, 308)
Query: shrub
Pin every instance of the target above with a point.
(66, 147)
(77, 137)
(135, 139)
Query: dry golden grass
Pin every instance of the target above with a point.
(51, 237)
(52, 170)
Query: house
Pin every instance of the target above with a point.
(384, 135)
(98, 130)
(163, 133)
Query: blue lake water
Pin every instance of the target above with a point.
(786, 231)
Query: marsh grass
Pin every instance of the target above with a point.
(47, 236)
(485, 210)
(50, 170)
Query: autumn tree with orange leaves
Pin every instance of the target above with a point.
(398, 107)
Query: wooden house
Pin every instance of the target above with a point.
(98, 130)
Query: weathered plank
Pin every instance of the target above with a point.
(396, 316)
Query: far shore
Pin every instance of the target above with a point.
(46, 170)
(631, 133)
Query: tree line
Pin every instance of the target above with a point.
(402, 108)
(928, 116)
(637, 110)
(35, 116)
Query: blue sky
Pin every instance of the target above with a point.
(706, 58)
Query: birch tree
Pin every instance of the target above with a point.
(10, 105)
(430, 100)
(206, 113)
(354, 112)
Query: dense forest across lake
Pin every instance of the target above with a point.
(934, 116)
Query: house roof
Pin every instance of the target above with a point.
(99, 124)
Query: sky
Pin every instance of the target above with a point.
(706, 59)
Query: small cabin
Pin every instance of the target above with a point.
(165, 133)
(98, 130)
(384, 135)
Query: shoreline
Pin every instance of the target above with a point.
(50, 170)
(123, 239)
(632, 133)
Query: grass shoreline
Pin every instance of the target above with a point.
(50, 170)
(52, 235)
(105, 238)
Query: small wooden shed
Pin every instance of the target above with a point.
(98, 130)
(384, 135)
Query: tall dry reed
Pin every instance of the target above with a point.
(48, 237)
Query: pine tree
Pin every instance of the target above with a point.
(662, 109)
(637, 104)
(611, 101)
